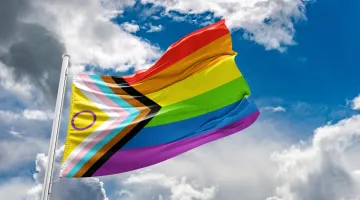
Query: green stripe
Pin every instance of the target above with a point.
(219, 97)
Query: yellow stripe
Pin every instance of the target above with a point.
(199, 60)
(80, 102)
(214, 76)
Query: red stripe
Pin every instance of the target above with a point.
(181, 49)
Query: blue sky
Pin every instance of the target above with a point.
(311, 79)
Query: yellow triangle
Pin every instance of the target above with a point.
(79, 102)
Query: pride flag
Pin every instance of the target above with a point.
(192, 95)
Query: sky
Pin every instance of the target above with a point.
(299, 57)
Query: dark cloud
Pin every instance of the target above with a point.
(9, 13)
(31, 50)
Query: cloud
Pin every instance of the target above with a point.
(154, 28)
(165, 187)
(15, 133)
(316, 169)
(38, 115)
(275, 109)
(267, 22)
(356, 103)
(27, 114)
(80, 189)
(93, 38)
(130, 27)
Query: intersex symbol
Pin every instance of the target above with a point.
(88, 126)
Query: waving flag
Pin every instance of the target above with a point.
(193, 95)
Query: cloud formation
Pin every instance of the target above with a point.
(275, 109)
(316, 169)
(143, 185)
(27, 114)
(155, 28)
(356, 103)
(267, 22)
(130, 27)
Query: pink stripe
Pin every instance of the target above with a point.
(122, 112)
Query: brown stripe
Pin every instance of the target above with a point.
(144, 110)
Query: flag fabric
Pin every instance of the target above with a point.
(194, 94)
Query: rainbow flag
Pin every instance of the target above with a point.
(192, 95)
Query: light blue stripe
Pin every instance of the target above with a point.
(133, 114)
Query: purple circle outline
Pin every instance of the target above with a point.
(78, 113)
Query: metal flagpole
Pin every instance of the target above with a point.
(55, 128)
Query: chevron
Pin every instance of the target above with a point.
(151, 110)
(120, 115)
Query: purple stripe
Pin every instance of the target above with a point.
(131, 159)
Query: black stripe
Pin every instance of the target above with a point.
(154, 109)
(133, 92)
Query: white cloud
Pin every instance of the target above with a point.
(80, 189)
(15, 133)
(130, 27)
(275, 109)
(172, 188)
(317, 170)
(37, 115)
(91, 38)
(267, 22)
(27, 114)
(154, 28)
(356, 103)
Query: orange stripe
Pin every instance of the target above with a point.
(181, 49)
(144, 110)
(202, 59)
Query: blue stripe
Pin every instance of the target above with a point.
(171, 132)
(133, 114)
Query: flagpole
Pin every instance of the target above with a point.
(55, 128)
